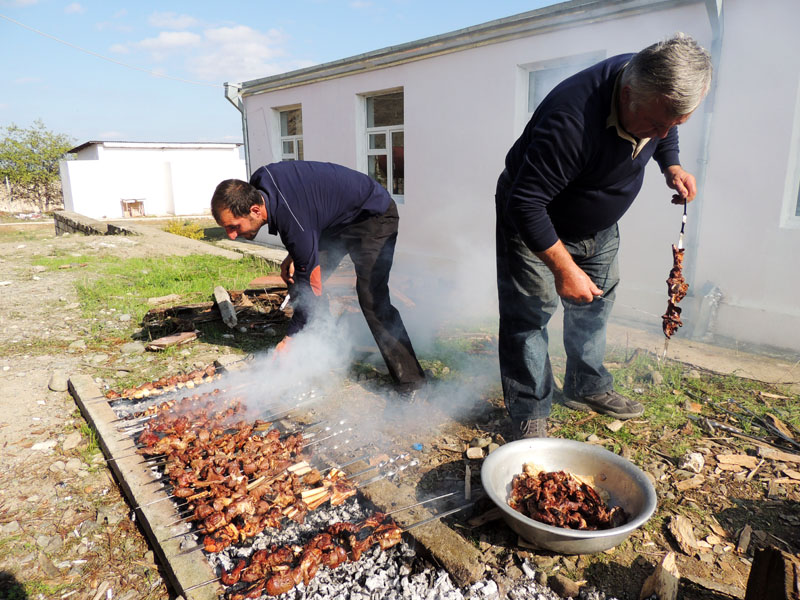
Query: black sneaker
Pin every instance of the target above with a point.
(529, 428)
(608, 403)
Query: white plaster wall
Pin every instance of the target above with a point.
(742, 248)
(193, 183)
(170, 182)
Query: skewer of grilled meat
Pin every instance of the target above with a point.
(279, 570)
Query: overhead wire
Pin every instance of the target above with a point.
(106, 58)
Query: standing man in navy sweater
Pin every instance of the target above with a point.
(322, 211)
(569, 178)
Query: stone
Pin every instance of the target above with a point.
(73, 465)
(99, 358)
(58, 382)
(77, 345)
(72, 441)
(492, 447)
(475, 453)
(124, 318)
(656, 378)
(11, 528)
(47, 566)
(693, 461)
(46, 445)
(480, 442)
(566, 588)
(58, 466)
(132, 348)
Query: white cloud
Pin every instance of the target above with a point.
(233, 53)
(167, 42)
(358, 4)
(19, 2)
(74, 8)
(171, 20)
(122, 12)
(119, 49)
(240, 52)
(27, 80)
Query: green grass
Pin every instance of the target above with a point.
(125, 285)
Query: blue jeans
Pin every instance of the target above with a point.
(528, 298)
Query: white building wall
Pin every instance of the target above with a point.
(169, 181)
(462, 113)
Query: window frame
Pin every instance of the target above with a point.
(576, 62)
(295, 139)
(790, 219)
(389, 131)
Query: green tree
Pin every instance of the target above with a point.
(29, 163)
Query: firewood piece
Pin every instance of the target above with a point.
(663, 582)
(179, 339)
(775, 575)
(744, 539)
(681, 529)
(740, 460)
(779, 425)
(225, 305)
(778, 455)
(492, 514)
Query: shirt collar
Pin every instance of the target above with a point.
(613, 121)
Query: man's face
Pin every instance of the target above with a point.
(647, 119)
(246, 226)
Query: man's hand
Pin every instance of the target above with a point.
(682, 182)
(287, 270)
(283, 346)
(572, 283)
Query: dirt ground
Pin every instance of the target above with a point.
(66, 532)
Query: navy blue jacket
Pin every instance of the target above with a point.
(305, 199)
(570, 174)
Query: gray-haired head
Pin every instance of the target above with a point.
(677, 70)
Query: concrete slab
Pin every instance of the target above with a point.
(269, 254)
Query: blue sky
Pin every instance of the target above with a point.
(197, 46)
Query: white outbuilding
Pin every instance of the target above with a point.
(111, 180)
(433, 119)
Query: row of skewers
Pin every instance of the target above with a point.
(234, 478)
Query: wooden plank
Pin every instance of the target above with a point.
(133, 476)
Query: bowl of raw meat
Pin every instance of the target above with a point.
(567, 497)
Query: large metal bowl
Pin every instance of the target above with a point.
(626, 484)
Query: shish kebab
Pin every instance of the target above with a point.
(280, 568)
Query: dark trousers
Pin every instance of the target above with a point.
(527, 299)
(370, 244)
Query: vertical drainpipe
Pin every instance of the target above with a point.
(712, 295)
(233, 92)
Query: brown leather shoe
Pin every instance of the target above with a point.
(529, 428)
(609, 403)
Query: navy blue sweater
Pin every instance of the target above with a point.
(305, 199)
(570, 174)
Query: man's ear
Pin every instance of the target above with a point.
(258, 211)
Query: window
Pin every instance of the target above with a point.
(385, 142)
(790, 211)
(544, 76)
(291, 134)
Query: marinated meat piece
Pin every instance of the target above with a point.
(558, 499)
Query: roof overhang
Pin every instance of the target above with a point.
(550, 18)
(157, 145)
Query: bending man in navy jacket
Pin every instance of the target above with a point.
(322, 211)
(569, 178)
